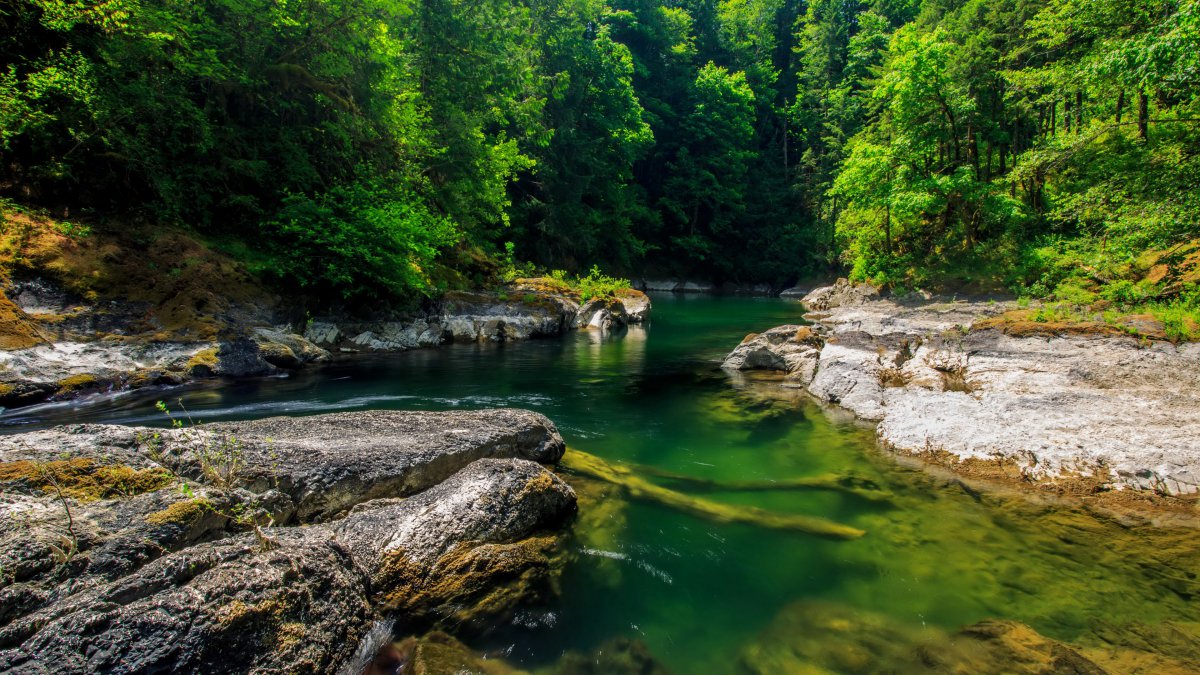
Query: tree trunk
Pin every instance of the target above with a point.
(1120, 105)
(973, 150)
(1079, 112)
(1054, 118)
(1143, 116)
(833, 225)
(887, 228)
(1067, 115)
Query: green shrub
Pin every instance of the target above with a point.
(1123, 291)
(598, 285)
(366, 239)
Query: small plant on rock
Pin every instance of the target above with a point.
(222, 458)
(221, 455)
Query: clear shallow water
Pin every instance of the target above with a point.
(936, 555)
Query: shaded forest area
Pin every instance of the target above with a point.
(369, 148)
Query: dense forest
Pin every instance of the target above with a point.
(367, 147)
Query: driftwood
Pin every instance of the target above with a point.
(637, 487)
(859, 487)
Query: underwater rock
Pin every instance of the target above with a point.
(600, 527)
(619, 656)
(821, 637)
(298, 598)
(439, 653)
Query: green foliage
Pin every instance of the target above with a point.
(359, 237)
(597, 285)
(357, 149)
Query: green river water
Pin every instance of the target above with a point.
(937, 554)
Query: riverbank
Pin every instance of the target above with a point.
(1076, 411)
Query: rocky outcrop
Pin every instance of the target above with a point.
(96, 349)
(841, 294)
(938, 379)
(67, 369)
(132, 584)
(526, 309)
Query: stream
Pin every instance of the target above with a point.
(707, 597)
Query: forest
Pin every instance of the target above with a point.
(368, 148)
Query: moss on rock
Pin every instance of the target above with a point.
(76, 384)
(203, 362)
(469, 583)
(185, 512)
(85, 479)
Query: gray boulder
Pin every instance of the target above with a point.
(792, 349)
(302, 599)
(841, 294)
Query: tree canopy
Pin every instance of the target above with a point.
(365, 148)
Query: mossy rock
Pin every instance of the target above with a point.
(77, 384)
(471, 584)
(84, 479)
(438, 653)
(203, 363)
(185, 512)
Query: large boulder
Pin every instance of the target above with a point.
(792, 349)
(304, 598)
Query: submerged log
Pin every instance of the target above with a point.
(859, 487)
(640, 488)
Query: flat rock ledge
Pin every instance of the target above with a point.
(123, 553)
(1117, 409)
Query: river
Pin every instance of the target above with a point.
(937, 554)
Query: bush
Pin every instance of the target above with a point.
(366, 239)
(598, 285)
(1123, 291)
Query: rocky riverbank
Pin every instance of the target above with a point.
(285, 544)
(72, 347)
(945, 380)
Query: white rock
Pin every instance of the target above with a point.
(1064, 405)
